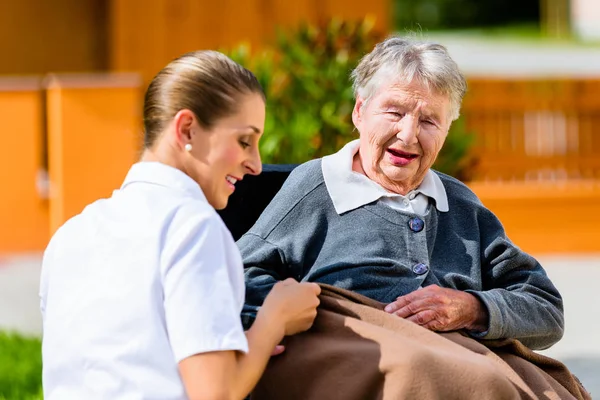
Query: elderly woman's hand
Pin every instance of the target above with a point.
(441, 309)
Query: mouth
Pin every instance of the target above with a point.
(231, 180)
(401, 158)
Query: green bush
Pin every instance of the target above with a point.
(306, 77)
(20, 367)
(451, 14)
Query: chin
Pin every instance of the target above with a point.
(221, 203)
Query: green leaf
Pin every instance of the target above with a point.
(306, 77)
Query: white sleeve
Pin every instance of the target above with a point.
(202, 310)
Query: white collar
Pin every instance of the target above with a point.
(349, 189)
(161, 174)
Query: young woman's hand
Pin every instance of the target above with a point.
(291, 305)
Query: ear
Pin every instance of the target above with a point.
(358, 110)
(184, 121)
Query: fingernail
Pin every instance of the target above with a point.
(388, 309)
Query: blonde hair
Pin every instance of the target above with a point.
(207, 83)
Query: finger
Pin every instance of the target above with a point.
(278, 350)
(288, 282)
(423, 318)
(396, 305)
(316, 288)
(414, 307)
(403, 301)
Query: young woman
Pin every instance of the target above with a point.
(141, 293)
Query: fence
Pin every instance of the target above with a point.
(535, 130)
(538, 152)
(538, 144)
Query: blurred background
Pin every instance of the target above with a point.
(73, 73)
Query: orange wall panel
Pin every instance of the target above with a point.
(23, 210)
(94, 136)
(53, 36)
(146, 41)
(543, 218)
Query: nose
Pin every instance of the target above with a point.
(408, 130)
(253, 165)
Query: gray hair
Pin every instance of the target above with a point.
(410, 59)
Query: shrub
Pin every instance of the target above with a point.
(20, 367)
(451, 14)
(306, 77)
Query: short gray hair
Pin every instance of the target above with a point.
(410, 59)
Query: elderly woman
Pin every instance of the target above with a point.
(375, 219)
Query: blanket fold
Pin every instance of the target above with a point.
(355, 350)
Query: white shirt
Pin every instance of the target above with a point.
(349, 189)
(133, 285)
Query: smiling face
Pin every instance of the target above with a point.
(402, 129)
(222, 155)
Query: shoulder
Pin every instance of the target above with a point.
(465, 205)
(306, 175)
(303, 190)
(457, 191)
(74, 231)
(303, 181)
(191, 218)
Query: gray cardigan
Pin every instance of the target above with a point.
(371, 250)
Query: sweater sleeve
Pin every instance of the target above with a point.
(264, 266)
(521, 300)
(276, 246)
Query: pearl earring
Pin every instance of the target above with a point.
(188, 147)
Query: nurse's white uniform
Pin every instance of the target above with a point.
(133, 285)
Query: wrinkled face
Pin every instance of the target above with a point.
(402, 129)
(222, 155)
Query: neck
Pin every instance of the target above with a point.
(392, 187)
(163, 156)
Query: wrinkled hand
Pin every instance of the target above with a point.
(441, 309)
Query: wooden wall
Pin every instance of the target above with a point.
(534, 129)
(94, 136)
(546, 218)
(23, 207)
(39, 36)
(147, 34)
(144, 35)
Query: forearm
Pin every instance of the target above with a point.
(479, 320)
(536, 321)
(262, 339)
(522, 301)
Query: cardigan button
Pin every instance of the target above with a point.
(416, 224)
(420, 269)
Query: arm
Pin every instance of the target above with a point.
(229, 374)
(521, 301)
(280, 243)
(516, 299)
(264, 266)
(289, 308)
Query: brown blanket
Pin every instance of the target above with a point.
(357, 351)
